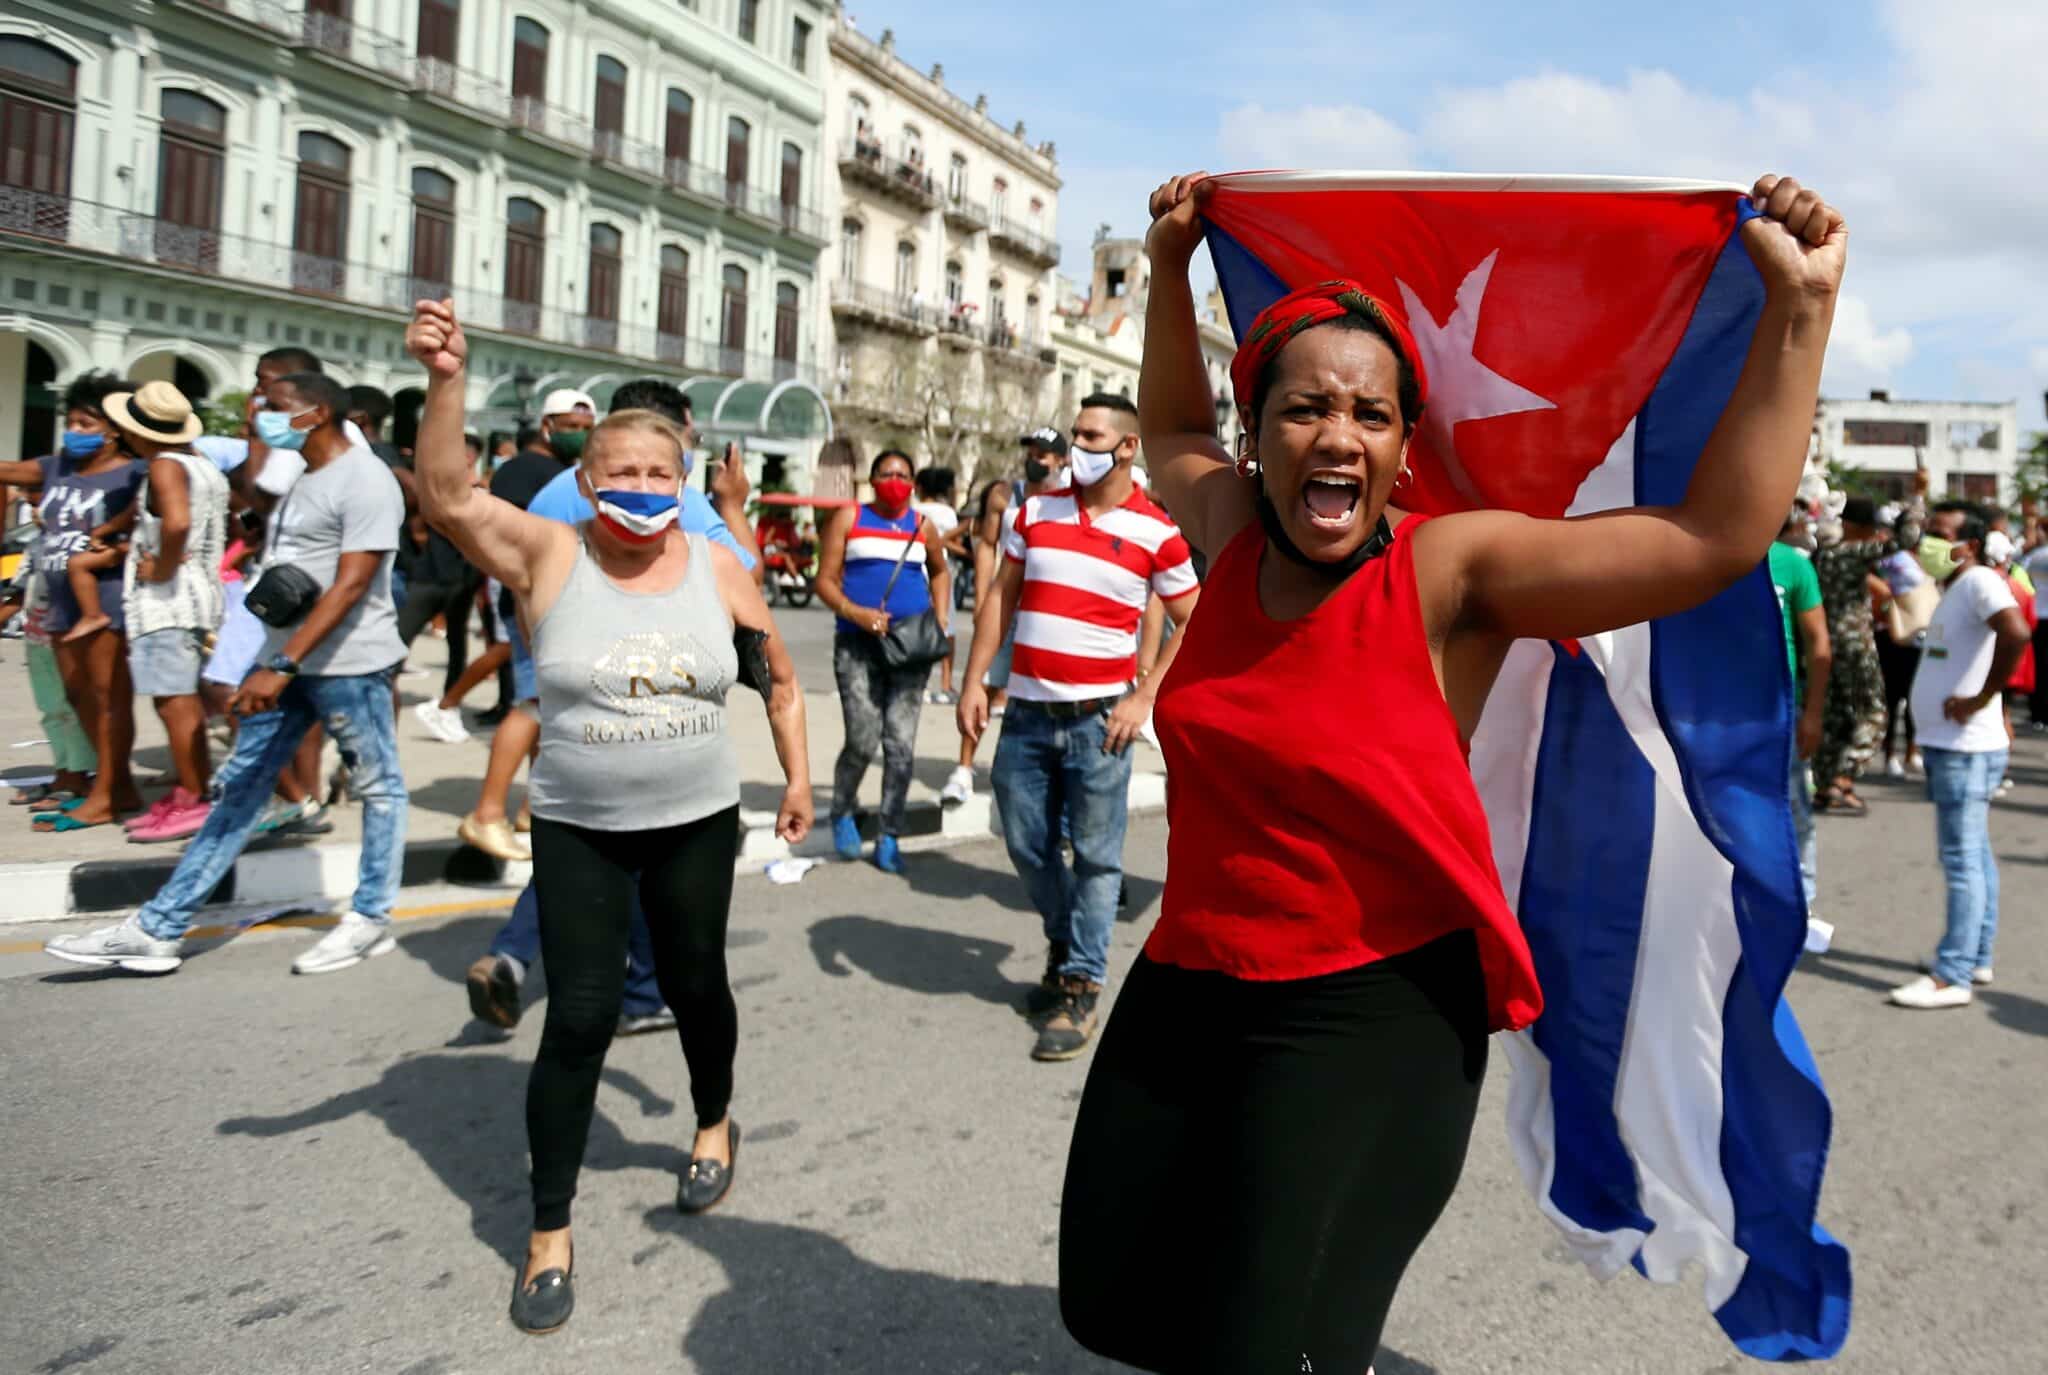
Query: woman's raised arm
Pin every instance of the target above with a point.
(1176, 411)
(499, 538)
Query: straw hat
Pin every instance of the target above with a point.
(155, 411)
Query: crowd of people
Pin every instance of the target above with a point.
(1313, 1003)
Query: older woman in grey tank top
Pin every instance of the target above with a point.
(637, 785)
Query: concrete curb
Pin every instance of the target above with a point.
(284, 871)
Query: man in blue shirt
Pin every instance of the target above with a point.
(494, 980)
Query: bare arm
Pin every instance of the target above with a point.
(938, 574)
(1130, 715)
(171, 491)
(993, 617)
(1516, 576)
(831, 580)
(1151, 630)
(1819, 655)
(496, 536)
(729, 488)
(21, 473)
(1176, 411)
(2011, 629)
(746, 606)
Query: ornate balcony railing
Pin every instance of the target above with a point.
(903, 310)
(1023, 242)
(31, 219)
(965, 214)
(365, 47)
(864, 160)
(461, 86)
(265, 14)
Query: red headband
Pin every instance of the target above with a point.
(1304, 308)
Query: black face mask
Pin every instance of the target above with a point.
(1036, 470)
(1276, 536)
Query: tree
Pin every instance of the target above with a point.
(2032, 472)
(226, 413)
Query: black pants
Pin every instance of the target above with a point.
(584, 880)
(1898, 663)
(2037, 704)
(426, 600)
(1255, 1163)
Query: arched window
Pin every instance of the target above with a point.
(433, 234)
(320, 221)
(526, 232)
(956, 289)
(849, 250)
(998, 200)
(191, 144)
(787, 316)
(998, 312)
(606, 246)
(956, 179)
(676, 133)
(913, 146)
(529, 67)
(739, 148)
(38, 88)
(792, 183)
(858, 125)
(672, 303)
(732, 329)
(906, 268)
(608, 106)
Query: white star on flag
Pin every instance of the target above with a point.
(1461, 387)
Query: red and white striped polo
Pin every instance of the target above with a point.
(1086, 582)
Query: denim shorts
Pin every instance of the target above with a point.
(237, 643)
(525, 678)
(165, 663)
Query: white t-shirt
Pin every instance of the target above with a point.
(943, 517)
(1956, 661)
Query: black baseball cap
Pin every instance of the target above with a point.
(1046, 439)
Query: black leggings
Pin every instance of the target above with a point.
(1255, 1163)
(584, 881)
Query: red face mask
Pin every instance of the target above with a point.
(892, 495)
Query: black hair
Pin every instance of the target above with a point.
(1407, 386)
(89, 392)
(292, 358)
(937, 484)
(987, 490)
(884, 457)
(497, 437)
(321, 390)
(1976, 524)
(652, 394)
(1859, 511)
(373, 402)
(475, 441)
(529, 435)
(1110, 401)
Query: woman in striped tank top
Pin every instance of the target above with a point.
(878, 564)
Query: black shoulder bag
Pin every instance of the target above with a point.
(918, 641)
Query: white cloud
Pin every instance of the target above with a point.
(1859, 353)
(1347, 136)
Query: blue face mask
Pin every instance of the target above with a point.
(274, 428)
(82, 444)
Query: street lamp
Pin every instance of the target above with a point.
(522, 390)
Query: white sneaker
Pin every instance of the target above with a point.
(445, 726)
(1922, 994)
(355, 938)
(1894, 768)
(959, 787)
(124, 945)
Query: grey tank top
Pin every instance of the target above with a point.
(632, 701)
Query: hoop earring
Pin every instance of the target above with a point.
(1247, 467)
(1404, 477)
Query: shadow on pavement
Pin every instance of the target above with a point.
(941, 874)
(941, 964)
(802, 1301)
(2028, 1016)
(448, 796)
(464, 1116)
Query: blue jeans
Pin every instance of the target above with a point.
(1048, 771)
(1960, 786)
(356, 711)
(519, 938)
(1799, 792)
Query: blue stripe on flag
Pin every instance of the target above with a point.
(1592, 812)
(1249, 286)
(1731, 733)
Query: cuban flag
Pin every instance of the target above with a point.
(1581, 337)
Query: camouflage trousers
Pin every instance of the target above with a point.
(1852, 726)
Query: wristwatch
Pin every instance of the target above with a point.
(283, 663)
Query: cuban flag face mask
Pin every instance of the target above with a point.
(636, 517)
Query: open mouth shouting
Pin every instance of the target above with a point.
(1331, 499)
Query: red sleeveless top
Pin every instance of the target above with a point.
(1321, 807)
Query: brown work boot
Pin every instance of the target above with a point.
(494, 991)
(1067, 1031)
(1045, 995)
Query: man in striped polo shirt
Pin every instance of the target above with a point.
(1079, 566)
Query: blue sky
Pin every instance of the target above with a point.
(1924, 122)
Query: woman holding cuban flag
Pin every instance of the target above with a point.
(638, 631)
(1280, 1105)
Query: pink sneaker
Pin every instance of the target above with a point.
(176, 797)
(179, 823)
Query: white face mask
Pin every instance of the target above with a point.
(1088, 466)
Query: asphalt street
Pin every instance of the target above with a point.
(232, 1169)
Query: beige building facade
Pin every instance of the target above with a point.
(938, 300)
